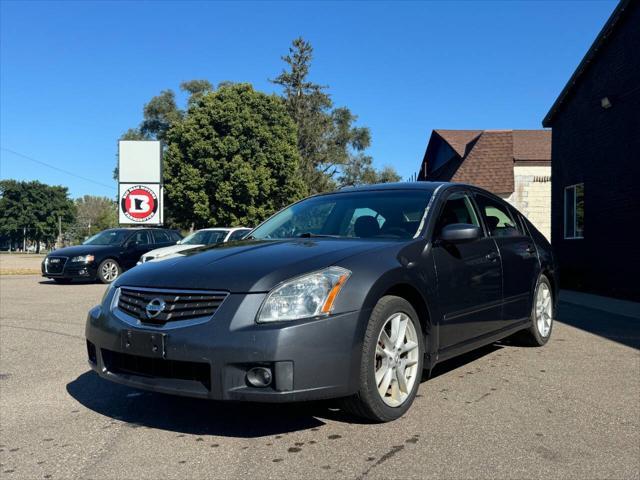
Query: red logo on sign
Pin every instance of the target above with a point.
(139, 203)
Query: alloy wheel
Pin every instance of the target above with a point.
(396, 359)
(109, 271)
(544, 310)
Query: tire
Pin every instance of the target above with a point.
(62, 281)
(368, 402)
(539, 331)
(109, 270)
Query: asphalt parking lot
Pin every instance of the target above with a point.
(568, 410)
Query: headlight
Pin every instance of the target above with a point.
(83, 259)
(310, 295)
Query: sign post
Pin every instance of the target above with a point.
(140, 182)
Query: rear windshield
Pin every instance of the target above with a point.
(389, 214)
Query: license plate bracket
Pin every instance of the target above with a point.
(146, 344)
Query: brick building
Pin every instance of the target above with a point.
(514, 164)
(596, 163)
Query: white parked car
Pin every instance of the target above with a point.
(206, 236)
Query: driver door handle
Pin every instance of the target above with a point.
(531, 249)
(492, 256)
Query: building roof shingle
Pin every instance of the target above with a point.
(486, 157)
(532, 144)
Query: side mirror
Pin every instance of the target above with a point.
(460, 232)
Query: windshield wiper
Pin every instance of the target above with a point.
(317, 235)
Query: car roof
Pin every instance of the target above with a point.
(132, 229)
(429, 186)
(392, 186)
(225, 229)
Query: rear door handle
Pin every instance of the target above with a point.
(492, 256)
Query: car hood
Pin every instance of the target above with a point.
(82, 250)
(246, 266)
(161, 252)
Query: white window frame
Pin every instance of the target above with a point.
(575, 212)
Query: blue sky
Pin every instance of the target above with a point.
(75, 75)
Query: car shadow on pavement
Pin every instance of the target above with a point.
(191, 415)
(462, 360)
(75, 282)
(194, 416)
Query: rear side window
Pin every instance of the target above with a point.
(162, 236)
(175, 236)
(497, 218)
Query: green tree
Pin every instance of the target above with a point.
(33, 210)
(93, 214)
(162, 112)
(331, 146)
(232, 160)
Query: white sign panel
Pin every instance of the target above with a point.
(139, 161)
(140, 203)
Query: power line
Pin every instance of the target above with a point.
(110, 187)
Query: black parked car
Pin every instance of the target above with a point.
(349, 294)
(105, 255)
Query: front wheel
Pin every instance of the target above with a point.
(391, 364)
(108, 270)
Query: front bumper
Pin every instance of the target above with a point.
(77, 271)
(209, 358)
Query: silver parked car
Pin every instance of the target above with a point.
(199, 238)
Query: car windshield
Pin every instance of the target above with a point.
(370, 214)
(205, 237)
(108, 237)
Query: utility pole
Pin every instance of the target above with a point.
(24, 239)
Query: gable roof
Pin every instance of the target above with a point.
(486, 157)
(609, 27)
(458, 139)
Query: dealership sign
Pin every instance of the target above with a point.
(140, 182)
(140, 203)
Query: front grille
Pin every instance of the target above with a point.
(178, 305)
(54, 265)
(127, 364)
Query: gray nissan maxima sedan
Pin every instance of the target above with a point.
(344, 295)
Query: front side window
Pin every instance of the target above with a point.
(388, 214)
(574, 211)
(457, 209)
(238, 234)
(497, 217)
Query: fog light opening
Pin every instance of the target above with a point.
(259, 377)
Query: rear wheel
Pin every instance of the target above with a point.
(108, 270)
(541, 315)
(391, 364)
